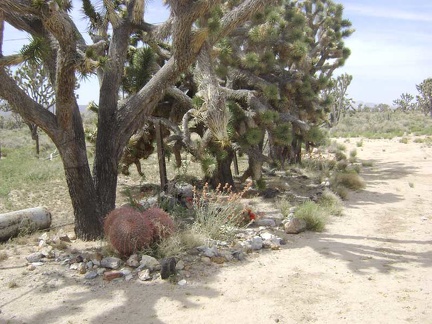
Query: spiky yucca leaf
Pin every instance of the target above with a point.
(138, 72)
(36, 50)
(282, 134)
(254, 136)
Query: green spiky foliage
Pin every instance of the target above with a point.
(288, 56)
(282, 134)
(253, 136)
(138, 72)
(36, 51)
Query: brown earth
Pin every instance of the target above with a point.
(372, 265)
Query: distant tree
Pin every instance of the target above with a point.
(405, 102)
(424, 98)
(340, 103)
(33, 79)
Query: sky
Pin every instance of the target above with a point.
(391, 49)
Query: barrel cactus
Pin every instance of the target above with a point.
(129, 230)
(162, 222)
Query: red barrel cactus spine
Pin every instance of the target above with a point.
(128, 230)
(162, 222)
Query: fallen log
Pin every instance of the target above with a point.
(23, 221)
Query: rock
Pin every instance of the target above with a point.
(205, 260)
(148, 262)
(101, 271)
(31, 267)
(64, 238)
(209, 252)
(89, 265)
(111, 275)
(182, 282)
(111, 263)
(37, 264)
(47, 251)
(34, 257)
(168, 267)
(74, 266)
(239, 255)
(267, 236)
(295, 226)
(144, 275)
(44, 237)
(82, 268)
(180, 265)
(72, 236)
(91, 275)
(227, 255)
(265, 222)
(129, 277)
(133, 261)
(256, 243)
(126, 272)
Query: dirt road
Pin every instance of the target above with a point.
(372, 265)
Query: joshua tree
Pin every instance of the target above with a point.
(93, 193)
(340, 104)
(424, 98)
(405, 102)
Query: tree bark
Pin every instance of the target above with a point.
(223, 175)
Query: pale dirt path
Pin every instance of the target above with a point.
(373, 265)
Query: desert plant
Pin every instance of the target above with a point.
(3, 255)
(350, 180)
(128, 230)
(218, 213)
(162, 222)
(314, 215)
(331, 202)
(179, 242)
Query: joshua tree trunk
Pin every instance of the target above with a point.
(223, 175)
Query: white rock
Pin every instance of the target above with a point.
(295, 226)
(267, 236)
(44, 237)
(144, 275)
(74, 266)
(148, 262)
(182, 282)
(180, 265)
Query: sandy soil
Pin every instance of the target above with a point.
(372, 265)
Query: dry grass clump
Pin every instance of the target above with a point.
(218, 213)
(349, 180)
(179, 242)
(3, 256)
(331, 202)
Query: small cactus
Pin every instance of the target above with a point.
(162, 222)
(129, 230)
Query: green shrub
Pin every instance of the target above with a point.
(314, 215)
(349, 180)
(331, 202)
